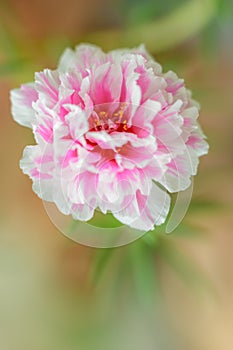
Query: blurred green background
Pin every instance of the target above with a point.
(174, 292)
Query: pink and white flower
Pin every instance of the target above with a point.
(113, 133)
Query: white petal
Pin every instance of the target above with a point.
(66, 60)
(47, 84)
(153, 211)
(82, 212)
(178, 176)
(42, 183)
(21, 100)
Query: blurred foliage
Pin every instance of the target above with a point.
(137, 11)
(139, 263)
(161, 26)
(162, 33)
(133, 272)
(225, 8)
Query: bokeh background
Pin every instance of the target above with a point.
(172, 293)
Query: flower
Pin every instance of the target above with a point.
(113, 133)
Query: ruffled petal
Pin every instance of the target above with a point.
(144, 212)
(21, 104)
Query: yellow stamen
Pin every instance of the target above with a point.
(97, 122)
(102, 113)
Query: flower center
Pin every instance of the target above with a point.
(110, 121)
